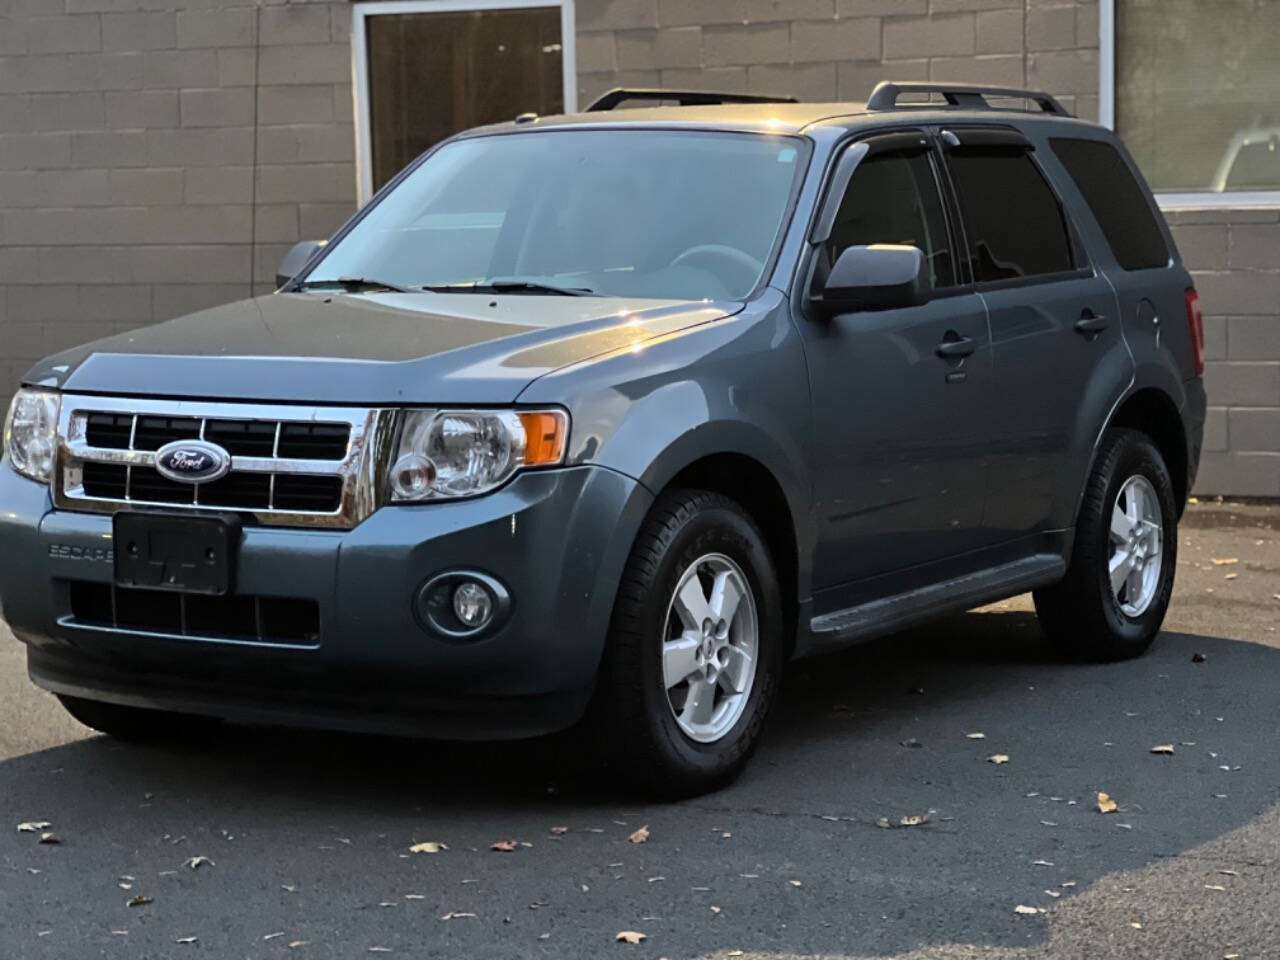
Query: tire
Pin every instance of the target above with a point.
(1085, 615)
(690, 536)
(138, 724)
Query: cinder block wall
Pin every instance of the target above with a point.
(129, 134)
(839, 49)
(1235, 258)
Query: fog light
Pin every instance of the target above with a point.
(472, 604)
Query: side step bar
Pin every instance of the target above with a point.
(895, 613)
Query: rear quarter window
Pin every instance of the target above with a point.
(1117, 201)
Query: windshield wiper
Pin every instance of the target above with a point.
(511, 286)
(353, 285)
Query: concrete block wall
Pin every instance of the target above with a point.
(839, 49)
(129, 135)
(1234, 256)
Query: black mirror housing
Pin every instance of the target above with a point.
(882, 276)
(296, 259)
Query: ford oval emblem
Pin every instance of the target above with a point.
(192, 461)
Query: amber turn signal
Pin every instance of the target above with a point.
(546, 435)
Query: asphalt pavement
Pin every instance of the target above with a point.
(308, 837)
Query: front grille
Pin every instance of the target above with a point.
(290, 466)
(282, 620)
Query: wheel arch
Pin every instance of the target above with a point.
(1153, 412)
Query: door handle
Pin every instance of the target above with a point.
(1091, 323)
(956, 346)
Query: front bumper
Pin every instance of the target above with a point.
(557, 539)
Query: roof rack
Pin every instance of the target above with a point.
(686, 98)
(971, 96)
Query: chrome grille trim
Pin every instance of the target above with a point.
(362, 470)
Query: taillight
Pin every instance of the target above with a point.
(1195, 320)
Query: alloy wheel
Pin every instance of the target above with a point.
(1136, 537)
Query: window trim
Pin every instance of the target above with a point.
(1168, 200)
(361, 12)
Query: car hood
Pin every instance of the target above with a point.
(368, 349)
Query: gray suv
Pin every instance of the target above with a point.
(608, 416)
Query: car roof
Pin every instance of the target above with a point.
(781, 118)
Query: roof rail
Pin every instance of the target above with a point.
(972, 96)
(686, 98)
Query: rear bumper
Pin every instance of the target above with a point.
(557, 540)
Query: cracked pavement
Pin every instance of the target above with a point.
(309, 833)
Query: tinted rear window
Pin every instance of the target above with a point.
(1118, 203)
(1014, 221)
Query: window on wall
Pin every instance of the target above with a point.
(1195, 92)
(433, 68)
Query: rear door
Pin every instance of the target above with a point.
(1053, 322)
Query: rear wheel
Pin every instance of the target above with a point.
(695, 648)
(137, 724)
(1114, 598)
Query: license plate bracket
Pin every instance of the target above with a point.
(159, 551)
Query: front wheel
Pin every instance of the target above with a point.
(695, 648)
(1113, 600)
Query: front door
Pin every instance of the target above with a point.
(899, 430)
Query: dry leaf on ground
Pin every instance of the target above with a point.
(1224, 561)
(34, 826)
(456, 915)
(559, 831)
(640, 836)
(139, 901)
(976, 736)
(1106, 804)
(630, 936)
(1023, 909)
(913, 820)
(998, 758)
(504, 846)
(1231, 576)
(186, 940)
(428, 846)
(1164, 749)
(196, 863)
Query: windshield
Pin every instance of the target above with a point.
(632, 213)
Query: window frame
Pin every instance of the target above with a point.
(361, 12)
(1167, 200)
(1080, 254)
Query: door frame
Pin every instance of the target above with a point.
(361, 12)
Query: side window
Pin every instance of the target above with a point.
(893, 198)
(1118, 203)
(1015, 224)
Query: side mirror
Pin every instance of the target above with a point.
(882, 276)
(296, 259)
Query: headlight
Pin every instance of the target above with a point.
(461, 453)
(31, 432)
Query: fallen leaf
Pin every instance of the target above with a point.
(1231, 576)
(1136, 926)
(998, 758)
(912, 820)
(415, 896)
(429, 846)
(976, 736)
(1224, 561)
(726, 835)
(48, 837)
(1215, 886)
(640, 836)
(504, 846)
(295, 944)
(1106, 804)
(273, 936)
(186, 940)
(1164, 749)
(139, 901)
(1026, 911)
(1042, 863)
(1053, 893)
(734, 953)
(34, 826)
(794, 883)
(1228, 873)
(457, 915)
(715, 909)
(196, 862)
(544, 936)
(559, 831)
(630, 936)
